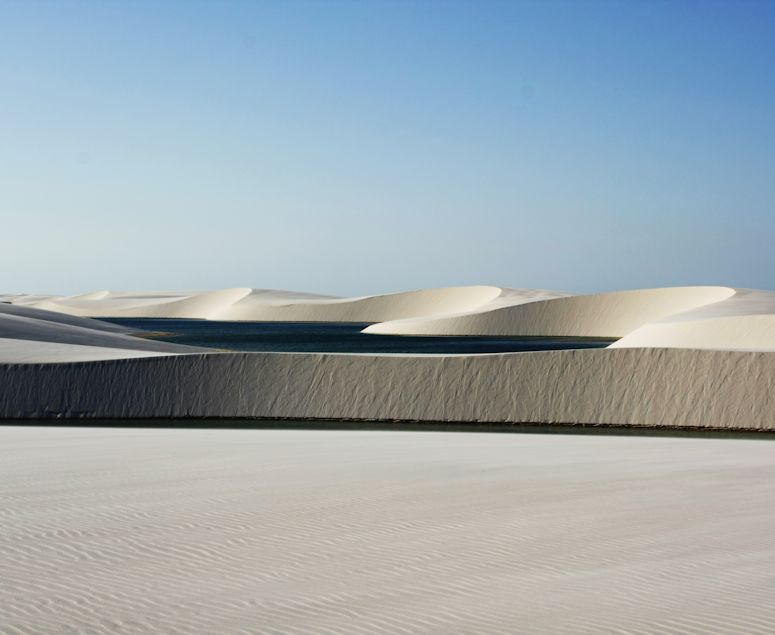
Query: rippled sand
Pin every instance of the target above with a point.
(130, 530)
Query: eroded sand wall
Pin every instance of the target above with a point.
(641, 387)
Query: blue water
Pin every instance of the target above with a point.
(334, 337)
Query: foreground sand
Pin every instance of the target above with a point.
(132, 530)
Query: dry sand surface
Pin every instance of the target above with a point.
(242, 531)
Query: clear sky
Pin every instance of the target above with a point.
(358, 147)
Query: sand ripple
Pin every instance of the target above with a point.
(180, 531)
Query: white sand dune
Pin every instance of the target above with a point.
(688, 356)
(744, 321)
(721, 318)
(181, 531)
(244, 304)
(745, 332)
(27, 312)
(715, 318)
(223, 531)
(599, 315)
(33, 335)
(17, 351)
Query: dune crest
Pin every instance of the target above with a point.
(244, 304)
(744, 321)
(600, 315)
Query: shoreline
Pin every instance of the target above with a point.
(386, 425)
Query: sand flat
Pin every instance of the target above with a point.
(232, 531)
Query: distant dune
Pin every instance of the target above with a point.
(600, 315)
(720, 318)
(268, 305)
(687, 356)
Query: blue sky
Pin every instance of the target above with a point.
(355, 147)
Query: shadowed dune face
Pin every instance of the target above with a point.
(367, 309)
(636, 387)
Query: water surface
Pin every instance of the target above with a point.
(337, 337)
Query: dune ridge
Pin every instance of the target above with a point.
(600, 315)
(33, 335)
(744, 321)
(135, 530)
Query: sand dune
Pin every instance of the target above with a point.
(744, 321)
(745, 332)
(691, 356)
(224, 531)
(136, 531)
(720, 318)
(54, 318)
(269, 305)
(600, 315)
(715, 318)
(34, 335)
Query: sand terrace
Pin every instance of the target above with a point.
(135, 530)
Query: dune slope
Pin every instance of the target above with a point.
(600, 315)
(34, 335)
(268, 305)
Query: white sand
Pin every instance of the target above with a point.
(700, 317)
(217, 531)
(689, 356)
(31, 335)
(271, 305)
(16, 351)
(599, 315)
